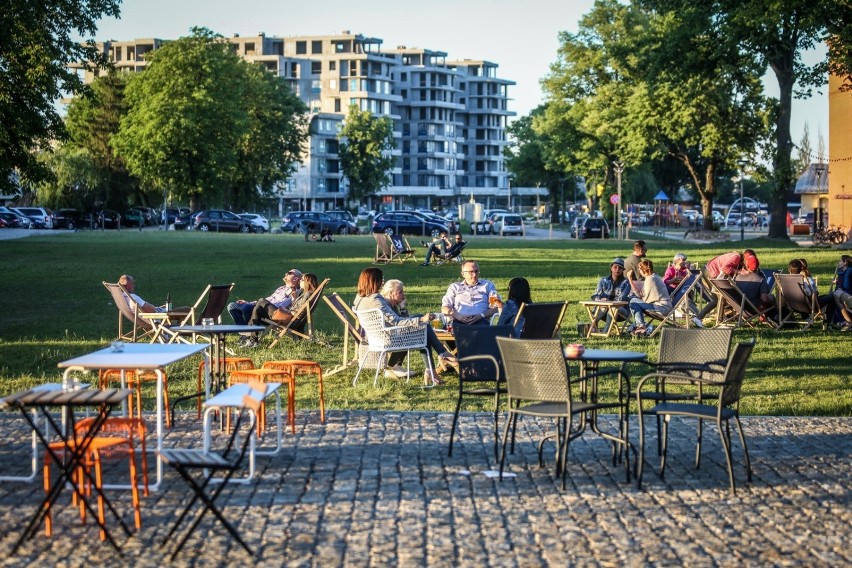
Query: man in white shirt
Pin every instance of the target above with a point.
(134, 301)
(467, 301)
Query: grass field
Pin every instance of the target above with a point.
(56, 308)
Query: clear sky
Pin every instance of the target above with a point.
(521, 36)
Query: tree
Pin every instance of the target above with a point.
(277, 131)
(92, 120)
(637, 86)
(36, 49)
(778, 33)
(365, 145)
(526, 159)
(208, 126)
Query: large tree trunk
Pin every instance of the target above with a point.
(781, 162)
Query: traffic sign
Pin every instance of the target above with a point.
(613, 199)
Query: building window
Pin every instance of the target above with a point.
(332, 84)
(332, 65)
(316, 67)
(337, 105)
(301, 48)
(316, 46)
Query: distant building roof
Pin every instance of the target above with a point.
(813, 180)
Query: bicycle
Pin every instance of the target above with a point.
(832, 235)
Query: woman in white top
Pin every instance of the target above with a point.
(651, 296)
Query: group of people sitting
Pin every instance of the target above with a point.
(635, 281)
(470, 301)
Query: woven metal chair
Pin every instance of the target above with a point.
(481, 371)
(538, 385)
(541, 321)
(725, 409)
(383, 339)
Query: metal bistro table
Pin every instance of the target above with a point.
(75, 448)
(136, 356)
(590, 361)
(215, 375)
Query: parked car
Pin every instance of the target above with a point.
(42, 218)
(109, 219)
(171, 213)
(484, 226)
(24, 221)
(407, 223)
(149, 215)
(134, 218)
(577, 225)
(184, 221)
(259, 223)
(10, 221)
(345, 216)
(69, 219)
(594, 228)
(507, 224)
(292, 223)
(220, 220)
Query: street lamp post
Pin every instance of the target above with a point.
(619, 169)
(819, 170)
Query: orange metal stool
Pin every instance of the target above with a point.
(297, 367)
(231, 364)
(134, 380)
(268, 376)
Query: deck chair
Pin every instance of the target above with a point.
(541, 321)
(209, 463)
(217, 298)
(383, 249)
(400, 249)
(795, 305)
(153, 327)
(741, 309)
(301, 325)
(351, 333)
(683, 308)
(453, 254)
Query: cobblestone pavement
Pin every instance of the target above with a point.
(377, 489)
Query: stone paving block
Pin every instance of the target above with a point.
(377, 488)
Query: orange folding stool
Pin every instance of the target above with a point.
(297, 367)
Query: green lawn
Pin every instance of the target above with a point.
(56, 307)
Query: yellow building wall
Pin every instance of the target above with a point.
(839, 154)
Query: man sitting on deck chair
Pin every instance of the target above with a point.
(244, 312)
(445, 254)
(129, 284)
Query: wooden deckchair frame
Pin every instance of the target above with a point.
(303, 314)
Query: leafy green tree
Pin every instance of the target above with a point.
(638, 86)
(185, 119)
(526, 159)
(37, 44)
(74, 181)
(208, 126)
(92, 120)
(778, 33)
(365, 145)
(273, 144)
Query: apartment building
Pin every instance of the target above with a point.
(449, 117)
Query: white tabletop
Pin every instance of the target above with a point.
(233, 395)
(135, 356)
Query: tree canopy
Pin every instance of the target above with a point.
(365, 145)
(208, 126)
(38, 42)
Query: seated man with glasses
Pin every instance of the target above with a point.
(253, 313)
(467, 302)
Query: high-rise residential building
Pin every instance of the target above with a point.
(449, 117)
